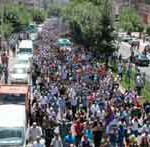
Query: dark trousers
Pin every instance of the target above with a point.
(139, 90)
(74, 108)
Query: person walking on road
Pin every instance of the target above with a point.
(139, 84)
(6, 74)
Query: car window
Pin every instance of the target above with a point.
(19, 70)
(25, 50)
(12, 98)
(22, 62)
(11, 135)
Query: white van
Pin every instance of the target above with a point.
(25, 48)
(12, 126)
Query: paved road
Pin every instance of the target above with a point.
(125, 52)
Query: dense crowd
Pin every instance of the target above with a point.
(77, 102)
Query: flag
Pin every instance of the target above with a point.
(110, 115)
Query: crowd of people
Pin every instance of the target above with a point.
(77, 103)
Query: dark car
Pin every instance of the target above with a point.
(141, 60)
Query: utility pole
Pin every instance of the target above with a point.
(33, 7)
(129, 3)
(2, 22)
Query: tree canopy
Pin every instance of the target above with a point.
(91, 24)
(130, 21)
(17, 17)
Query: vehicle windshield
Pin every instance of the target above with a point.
(12, 98)
(19, 71)
(22, 61)
(25, 51)
(12, 136)
(142, 57)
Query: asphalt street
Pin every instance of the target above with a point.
(125, 52)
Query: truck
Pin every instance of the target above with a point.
(12, 125)
(14, 107)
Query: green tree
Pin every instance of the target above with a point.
(130, 20)
(17, 16)
(92, 25)
(55, 10)
(38, 16)
(7, 29)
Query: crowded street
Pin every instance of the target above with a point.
(77, 102)
(64, 87)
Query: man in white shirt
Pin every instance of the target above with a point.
(94, 109)
(34, 131)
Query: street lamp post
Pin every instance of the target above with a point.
(2, 20)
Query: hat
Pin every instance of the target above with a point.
(34, 123)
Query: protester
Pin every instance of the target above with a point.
(34, 132)
(73, 92)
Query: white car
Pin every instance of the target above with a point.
(24, 57)
(23, 61)
(19, 75)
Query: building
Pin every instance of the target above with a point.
(143, 8)
(30, 3)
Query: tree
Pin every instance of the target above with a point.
(130, 20)
(91, 25)
(16, 16)
(7, 29)
(38, 16)
(55, 10)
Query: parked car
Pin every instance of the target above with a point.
(141, 60)
(23, 61)
(19, 75)
(126, 38)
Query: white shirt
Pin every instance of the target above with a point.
(73, 101)
(94, 108)
(33, 133)
(135, 125)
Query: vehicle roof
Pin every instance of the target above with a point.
(12, 115)
(20, 66)
(26, 44)
(22, 57)
(13, 89)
